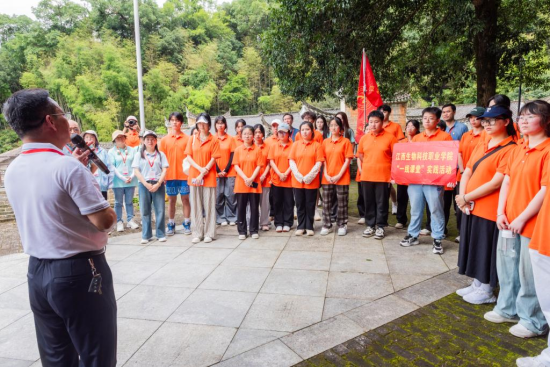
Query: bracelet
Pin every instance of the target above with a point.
(498, 215)
(464, 198)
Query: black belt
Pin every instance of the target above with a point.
(82, 255)
(152, 182)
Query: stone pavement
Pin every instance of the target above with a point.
(275, 301)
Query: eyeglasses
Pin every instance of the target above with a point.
(490, 122)
(67, 115)
(526, 117)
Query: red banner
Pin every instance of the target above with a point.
(431, 163)
(368, 96)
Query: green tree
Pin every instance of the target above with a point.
(236, 93)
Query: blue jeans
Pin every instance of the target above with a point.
(517, 285)
(541, 270)
(148, 201)
(433, 195)
(124, 195)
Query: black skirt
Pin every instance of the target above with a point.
(477, 253)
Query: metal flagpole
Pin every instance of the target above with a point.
(139, 68)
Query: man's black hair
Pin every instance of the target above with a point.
(433, 110)
(26, 110)
(385, 108)
(453, 107)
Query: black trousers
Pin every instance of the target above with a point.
(271, 209)
(402, 203)
(306, 201)
(448, 200)
(104, 193)
(242, 201)
(377, 196)
(360, 200)
(70, 322)
(458, 212)
(283, 206)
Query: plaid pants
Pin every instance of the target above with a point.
(339, 193)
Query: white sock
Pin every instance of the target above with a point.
(477, 283)
(186, 220)
(171, 221)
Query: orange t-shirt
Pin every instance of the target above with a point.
(394, 129)
(335, 153)
(227, 146)
(305, 154)
(278, 153)
(317, 136)
(132, 138)
(539, 241)
(271, 140)
(248, 159)
(377, 156)
(438, 136)
(467, 144)
(238, 140)
(202, 153)
(173, 147)
(264, 148)
(526, 168)
(486, 207)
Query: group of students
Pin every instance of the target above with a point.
(250, 180)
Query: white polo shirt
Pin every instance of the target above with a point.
(51, 194)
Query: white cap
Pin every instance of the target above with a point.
(275, 121)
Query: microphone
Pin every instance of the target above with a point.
(79, 143)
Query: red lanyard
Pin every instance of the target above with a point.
(69, 148)
(151, 163)
(125, 157)
(31, 151)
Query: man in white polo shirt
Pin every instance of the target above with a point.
(63, 221)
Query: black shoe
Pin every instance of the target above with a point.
(438, 248)
(409, 241)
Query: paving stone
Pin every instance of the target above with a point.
(120, 252)
(183, 345)
(8, 362)
(359, 263)
(296, 282)
(322, 336)
(222, 242)
(148, 302)
(304, 260)
(156, 254)
(274, 354)
(358, 245)
(283, 312)
(203, 256)
(16, 298)
(128, 272)
(426, 292)
(236, 279)
(16, 270)
(129, 239)
(9, 283)
(358, 285)
(401, 281)
(264, 243)
(9, 316)
(252, 258)
(180, 275)
(416, 264)
(336, 306)
(247, 339)
(18, 340)
(212, 307)
(308, 243)
(122, 289)
(178, 240)
(379, 312)
(132, 333)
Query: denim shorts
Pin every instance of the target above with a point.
(175, 187)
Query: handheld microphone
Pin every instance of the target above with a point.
(79, 143)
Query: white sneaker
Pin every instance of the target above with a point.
(120, 227)
(529, 362)
(464, 291)
(162, 239)
(522, 332)
(425, 232)
(317, 216)
(379, 234)
(492, 316)
(325, 231)
(223, 224)
(457, 239)
(242, 237)
(342, 231)
(286, 229)
(279, 229)
(232, 223)
(207, 239)
(196, 240)
(255, 236)
(399, 226)
(394, 208)
(479, 296)
(361, 221)
(369, 232)
(299, 232)
(131, 224)
(309, 232)
(143, 242)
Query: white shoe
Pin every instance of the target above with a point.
(399, 226)
(457, 239)
(325, 231)
(207, 239)
(317, 217)
(394, 208)
(299, 232)
(143, 242)
(479, 296)
(369, 232)
(279, 229)
(425, 232)
(242, 237)
(255, 236)
(361, 221)
(286, 229)
(522, 332)
(464, 291)
(492, 316)
(196, 240)
(529, 362)
(379, 234)
(223, 224)
(162, 239)
(131, 224)
(342, 231)
(120, 227)
(232, 223)
(309, 232)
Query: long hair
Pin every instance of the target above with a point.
(540, 108)
(261, 127)
(143, 149)
(325, 130)
(344, 118)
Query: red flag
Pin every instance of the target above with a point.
(368, 96)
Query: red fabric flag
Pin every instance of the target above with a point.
(368, 96)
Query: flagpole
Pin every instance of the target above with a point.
(364, 90)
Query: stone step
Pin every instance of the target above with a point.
(7, 217)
